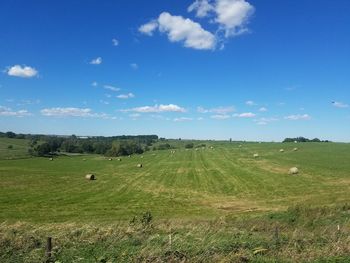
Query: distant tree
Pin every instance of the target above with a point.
(42, 149)
(10, 134)
(189, 145)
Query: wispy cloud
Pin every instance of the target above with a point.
(183, 119)
(217, 110)
(96, 61)
(265, 121)
(94, 84)
(74, 112)
(8, 112)
(245, 115)
(250, 103)
(298, 117)
(115, 42)
(126, 96)
(134, 66)
(156, 109)
(338, 104)
(263, 109)
(220, 117)
(21, 71)
(112, 88)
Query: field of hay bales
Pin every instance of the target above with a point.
(208, 204)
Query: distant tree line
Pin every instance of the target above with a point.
(44, 145)
(302, 139)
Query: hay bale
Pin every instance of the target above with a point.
(110, 159)
(139, 165)
(256, 155)
(295, 149)
(282, 151)
(293, 170)
(90, 177)
(51, 159)
(119, 160)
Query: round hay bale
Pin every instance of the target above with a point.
(293, 170)
(139, 165)
(295, 149)
(119, 160)
(51, 159)
(282, 151)
(256, 155)
(90, 177)
(110, 159)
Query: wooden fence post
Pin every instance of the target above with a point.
(48, 249)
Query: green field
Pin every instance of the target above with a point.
(194, 189)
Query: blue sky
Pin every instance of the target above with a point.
(219, 69)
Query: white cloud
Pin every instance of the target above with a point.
(22, 72)
(179, 29)
(202, 8)
(134, 115)
(96, 61)
(134, 66)
(104, 102)
(182, 119)
(218, 110)
(94, 84)
(250, 103)
(298, 117)
(340, 104)
(157, 108)
(220, 116)
(126, 96)
(112, 88)
(263, 109)
(149, 28)
(8, 112)
(245, 115)
(265, 121)
(233, 15)
(115, 42)
(74, 112)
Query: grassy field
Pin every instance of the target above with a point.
(217, 199)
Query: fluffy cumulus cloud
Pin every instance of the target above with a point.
(201, 7)
(156, 109)
(218, 110)
(96, 61)
(126, 96)
(22, 71)
(298, 117)
(245, 115)
(149, 28)
(231, 15)
(180, 29)
(338, 104)
(8, 112)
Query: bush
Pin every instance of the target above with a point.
(189, 145)
(10, 147)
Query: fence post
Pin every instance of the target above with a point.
(48, 249)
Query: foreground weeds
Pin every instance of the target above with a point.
(300, 234)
